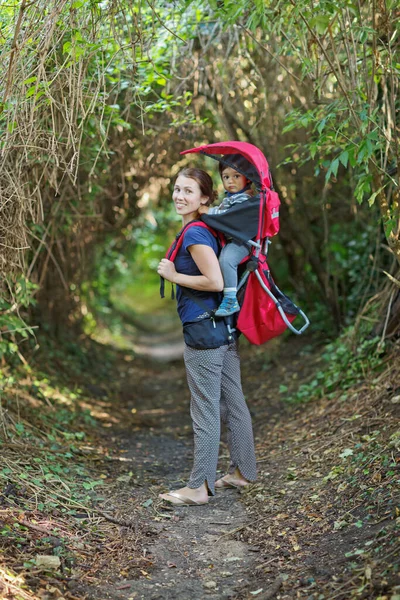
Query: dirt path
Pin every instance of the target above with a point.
(191, 549)
(192, 554)
(300, 532)
(321, 523)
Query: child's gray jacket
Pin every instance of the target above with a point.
(228, 202)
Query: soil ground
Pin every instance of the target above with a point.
(322, 522)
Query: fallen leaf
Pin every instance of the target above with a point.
(210, 585)
(346, 452)
(48, 561)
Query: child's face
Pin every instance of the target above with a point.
(233, 181)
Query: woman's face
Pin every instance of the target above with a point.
(187, 198)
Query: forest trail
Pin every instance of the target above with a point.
(294, 534)
(321, 522)
(191, 550)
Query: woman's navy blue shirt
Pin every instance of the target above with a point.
(188, 309)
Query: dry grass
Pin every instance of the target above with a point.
(326, 511)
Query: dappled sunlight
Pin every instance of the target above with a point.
(98, 101)
(166, 352)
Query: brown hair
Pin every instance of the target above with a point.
(222, 166)
(203, 179)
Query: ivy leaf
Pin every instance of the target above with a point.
(320, 23)
(347, 452)
(344, 158)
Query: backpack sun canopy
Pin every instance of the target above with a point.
(257, 218)
(254, 166)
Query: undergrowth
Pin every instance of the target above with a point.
(346, 362)
(54, 469)
(47, 410)
(328, 495)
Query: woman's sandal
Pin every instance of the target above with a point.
(223, 483)
(182, 500)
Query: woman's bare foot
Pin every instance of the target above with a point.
(186, 496)
(235, 480)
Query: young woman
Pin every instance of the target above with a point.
(213, 374)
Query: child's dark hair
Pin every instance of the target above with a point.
(221, 167)
(203, 179)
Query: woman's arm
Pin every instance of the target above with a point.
(210, 280)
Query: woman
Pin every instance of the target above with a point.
(213, 374)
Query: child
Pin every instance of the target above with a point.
(238, 190)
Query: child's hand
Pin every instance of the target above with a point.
(166, 269)
(203, 210)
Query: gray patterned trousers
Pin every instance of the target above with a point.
(216, 393)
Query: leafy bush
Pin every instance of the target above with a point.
(345, 366)
(13, 328)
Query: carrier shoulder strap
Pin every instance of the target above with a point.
(176, 245)
(178, 241)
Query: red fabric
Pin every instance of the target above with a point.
(269, 210)
(252, 153)
(259, 319)
(177, 243)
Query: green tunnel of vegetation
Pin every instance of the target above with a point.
(97, 100)
(99, 97)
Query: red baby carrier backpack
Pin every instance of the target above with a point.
(265, 312)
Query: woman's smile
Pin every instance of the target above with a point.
(187, 197)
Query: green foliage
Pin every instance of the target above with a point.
(345, 364)
(346, 54)
(333, 143)
(13, 328)
(56, 421)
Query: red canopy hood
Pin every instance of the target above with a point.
(248, 151)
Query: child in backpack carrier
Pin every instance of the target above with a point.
(237, 190)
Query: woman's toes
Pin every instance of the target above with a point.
(229, 481)
(185, 496)
(170, 498)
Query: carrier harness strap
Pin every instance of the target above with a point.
(189, 294)
(176, 245)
